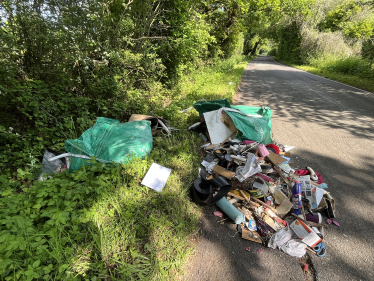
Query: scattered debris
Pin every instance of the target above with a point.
(250, 178)
(157, 123)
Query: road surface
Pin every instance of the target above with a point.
(331, 125)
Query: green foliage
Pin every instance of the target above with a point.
(273, 52)
(352, 65)
(99, 222)
(355, 80)
(289, 39)
(359, 30)
(368, 49)
(89, 221)
(340, 15)
(331, 38)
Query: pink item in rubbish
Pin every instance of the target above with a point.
(218, 214)
(261, 148)
(260, 250)
(305, 267)
(336, 223)
(329, 221)
(246, 142)
(248, 249)
(264, 177)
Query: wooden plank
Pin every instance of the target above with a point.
(280, 172)
(251, 235)
(223, 172)
(236, 196)
(276, 158)
(243, 194)
(264, 204)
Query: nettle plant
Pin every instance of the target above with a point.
(42, 229)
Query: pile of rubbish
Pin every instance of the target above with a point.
(248, 177)
(245, 173)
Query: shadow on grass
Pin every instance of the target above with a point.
(141, 234)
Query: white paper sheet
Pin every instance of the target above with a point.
(288, 148)
(156, 177)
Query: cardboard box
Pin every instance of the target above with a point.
(305, 233)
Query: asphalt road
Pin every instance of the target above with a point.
(331, 125)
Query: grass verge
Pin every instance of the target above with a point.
(353, 80)
(100, 222)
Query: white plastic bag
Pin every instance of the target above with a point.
(287, 241)
(252, 166)
(50, 167)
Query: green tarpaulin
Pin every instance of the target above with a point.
(111, 141)
(253, 123)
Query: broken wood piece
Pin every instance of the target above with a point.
(270, 222)
(310, 249)
(284, 208)
(251, 235)
(223, 172)
(243, 194)
(314, 183)
(276, 158)
(280, 172)
(303, 211)
(246, 212)
(236, 196)
(286, 154)
(254, 204)
(264, 204)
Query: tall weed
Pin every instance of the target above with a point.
(353, 65)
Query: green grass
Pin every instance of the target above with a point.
(350, 79)
(100, 222)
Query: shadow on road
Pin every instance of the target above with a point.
(311, 103)
(332, 104)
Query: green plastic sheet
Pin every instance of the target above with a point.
(111, 141)
(206, 106)
(253, 123)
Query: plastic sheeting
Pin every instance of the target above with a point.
(287, 241)
(254, 123)
(111, 141)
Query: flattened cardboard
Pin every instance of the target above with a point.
(228, 122)
(271, 223)
(251, 235)
(139, 117)
(285, 154)
(276, 158)
(284, 208)
(223, 172)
